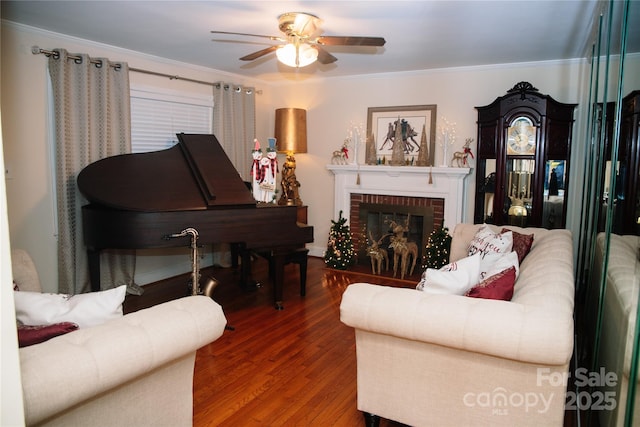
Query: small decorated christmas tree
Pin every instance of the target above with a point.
(436, 252)
(423, 154)
(340, 253)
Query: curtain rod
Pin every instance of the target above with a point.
(37, 51)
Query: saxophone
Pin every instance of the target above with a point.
(210, 282)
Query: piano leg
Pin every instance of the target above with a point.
(236, 250)
(246, 280)
(239, 250)
(278, 263)
(277, 260)
(94, 269)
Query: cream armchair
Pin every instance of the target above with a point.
(135, 370)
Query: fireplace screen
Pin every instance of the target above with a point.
(377, 222)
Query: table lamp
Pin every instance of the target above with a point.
(291, 137)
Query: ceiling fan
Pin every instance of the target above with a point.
(303, 42)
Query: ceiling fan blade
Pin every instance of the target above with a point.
(247, 34)
(350, 41)
(324, 57)
(258, 54)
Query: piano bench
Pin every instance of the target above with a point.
(295, 256)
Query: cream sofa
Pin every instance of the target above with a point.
(136, 370)
(619, 313)
(448, 360)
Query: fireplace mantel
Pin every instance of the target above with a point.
(412, 181)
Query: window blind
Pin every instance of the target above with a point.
(157, 116)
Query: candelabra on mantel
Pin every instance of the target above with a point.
(355, 137)
(446, 138)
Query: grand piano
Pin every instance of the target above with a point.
(137, 200)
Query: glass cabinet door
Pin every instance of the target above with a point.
(486, 193)
(519, 190)
(554, 193)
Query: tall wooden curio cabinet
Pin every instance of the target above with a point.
(524, 146)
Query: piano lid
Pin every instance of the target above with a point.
(194, 174)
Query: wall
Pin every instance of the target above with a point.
(11, 403)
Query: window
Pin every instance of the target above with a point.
(158, 115)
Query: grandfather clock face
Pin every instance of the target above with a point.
(521, 137)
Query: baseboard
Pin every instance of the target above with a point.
(317, 251)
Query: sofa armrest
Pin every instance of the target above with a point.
(498, 328)
(72, 368)
(24, 271)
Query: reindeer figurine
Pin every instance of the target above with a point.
(402, 249)
(460, 157)
(341, 156)
(377, 254)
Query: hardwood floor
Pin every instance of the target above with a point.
(294, 367)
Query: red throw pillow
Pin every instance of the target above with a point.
(29, 335)
(499, 286)
(521, 243)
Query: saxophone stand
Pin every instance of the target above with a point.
(210, 283)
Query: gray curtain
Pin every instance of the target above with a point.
(92, 121)
(234, 124)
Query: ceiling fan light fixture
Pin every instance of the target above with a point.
(297, 55)
(303, 42)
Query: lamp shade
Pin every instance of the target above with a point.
(291, 130)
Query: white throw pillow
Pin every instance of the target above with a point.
(86, 310)
(455, 278)
(494, 263)
(486, 241)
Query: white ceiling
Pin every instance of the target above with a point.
(420, 35)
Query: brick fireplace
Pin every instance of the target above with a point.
(436, 195)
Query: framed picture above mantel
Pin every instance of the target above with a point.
(413, 120)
